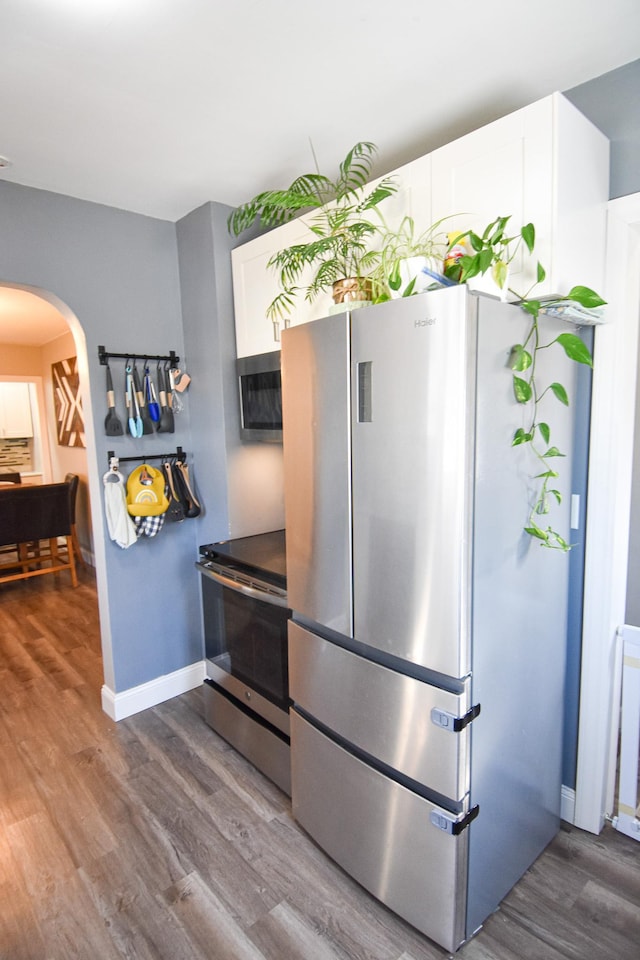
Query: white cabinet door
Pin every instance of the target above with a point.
(502, 169)
(545, 164)
(15, 410)
(255, 286)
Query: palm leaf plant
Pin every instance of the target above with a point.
(342, 228)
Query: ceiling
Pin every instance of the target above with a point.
(157, 106)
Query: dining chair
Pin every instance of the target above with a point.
(73, 482)
(31, 515)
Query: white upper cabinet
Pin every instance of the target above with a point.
(15, 411)
(545, 164)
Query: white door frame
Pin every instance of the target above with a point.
(607, 531)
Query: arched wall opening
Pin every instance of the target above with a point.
(46, 460)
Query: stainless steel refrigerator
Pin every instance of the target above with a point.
(427, 642)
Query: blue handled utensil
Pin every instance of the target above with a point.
(150, 396)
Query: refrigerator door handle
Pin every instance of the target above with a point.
(364, 381)
(278, 599)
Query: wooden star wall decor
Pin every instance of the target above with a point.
(67, 403)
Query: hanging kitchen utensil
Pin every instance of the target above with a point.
(147, 423)
(175, 402)
(133, 411)
(150, 395)
(176, 509)
(112, 423)
(185, 489)
(166, 423)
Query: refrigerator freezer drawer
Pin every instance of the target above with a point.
(394, 718)
(381, 833)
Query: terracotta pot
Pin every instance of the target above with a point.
(351, 288)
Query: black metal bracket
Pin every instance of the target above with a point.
(448, 823)
(104, 356)
(461, 722)
(178, 454)
(461, 825)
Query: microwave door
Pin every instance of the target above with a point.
(260, 391)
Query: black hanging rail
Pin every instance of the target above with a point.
(178, 454)
(105, 356)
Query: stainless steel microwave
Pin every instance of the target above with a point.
(260, 397)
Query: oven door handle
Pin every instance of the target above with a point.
(254, 592)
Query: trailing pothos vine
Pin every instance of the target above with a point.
(494, 250)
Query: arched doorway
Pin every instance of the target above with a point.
(38, 330)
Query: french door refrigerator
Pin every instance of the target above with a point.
(427, 641)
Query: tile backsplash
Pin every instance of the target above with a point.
(16, 454)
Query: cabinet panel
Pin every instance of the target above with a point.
(15, 410)
(546, 164)
(255, 286)
(503, 169)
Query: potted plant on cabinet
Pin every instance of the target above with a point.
(409, 262)
(340, 254)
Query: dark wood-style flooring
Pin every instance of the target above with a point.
(153, 839)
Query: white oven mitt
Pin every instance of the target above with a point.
(120, 525)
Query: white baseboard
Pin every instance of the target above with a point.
(567, 804)
(125, 704)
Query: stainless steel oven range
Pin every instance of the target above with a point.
(246, 691)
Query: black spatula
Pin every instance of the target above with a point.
(112, 423)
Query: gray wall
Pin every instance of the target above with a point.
(118, 272)
(611, 103)
(245, 479)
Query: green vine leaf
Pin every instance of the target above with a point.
(560, 392)
(528, 234)
(585, 297)
(535, 531)
(519, 358)
(500, 272)
(541, 273)
(557, 495)
(561, 543)
(522, 390)
(545, 432)
(520, 436)
(574, 348)
(531, 306)
(547, 475)
(553, 452)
